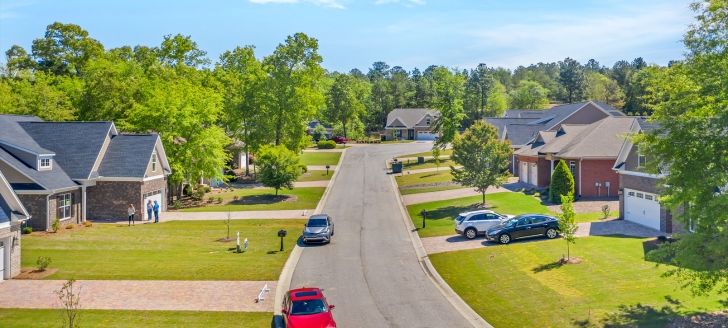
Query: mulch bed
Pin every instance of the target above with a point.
(34, 274)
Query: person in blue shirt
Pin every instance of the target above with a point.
(155, 207)
(149, 210)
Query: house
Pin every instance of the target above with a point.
(12, 214)
(74, 171)
(411, 124)
(589, 150)
(312, 125)
(639, 196)
(521, 126)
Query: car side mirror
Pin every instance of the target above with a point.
(331, 307)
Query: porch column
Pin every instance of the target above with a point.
(552, 166)
(83, 203)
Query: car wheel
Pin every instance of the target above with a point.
(471, 233)
(504, 238)
(551, 233)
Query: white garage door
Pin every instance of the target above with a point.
(533, 175)
(523, 172)
(424, 135)
(155, 195)
(642, 208)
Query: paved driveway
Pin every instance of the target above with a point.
(370, 270)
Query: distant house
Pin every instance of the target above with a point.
(639, 198)
(521, 126)
(411, 124)
(12, 214)
(588, 149)
(314, 124)
(73, 171)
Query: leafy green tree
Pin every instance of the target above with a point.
(41, 94)
(567, 224)
(180, 50)
(571, 77)
(562, 182)
(319, 133)
(600, 87)
(278, 167)
(436, 156)
(529, 95)
(483, 156)
(18, 60)
(449, 101)
(65, 49)
(295, 75)
(476, 93)
(113, 87)
(691, 107)
(497, 101)
(346, 102)
(243, 79)
(381, 98)
(400, 87)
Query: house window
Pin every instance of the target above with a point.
(45, 163)
(641, 158)
(428, 121)
(154, 162)
(630, 194)
(572, 167)
(640, 195)
(64, 206)
(648, 197)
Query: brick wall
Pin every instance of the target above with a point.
(36, 206)
(110, 199)
(594, 171)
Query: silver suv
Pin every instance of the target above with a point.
(319, 228)
(472, 224)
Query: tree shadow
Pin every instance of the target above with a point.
(637, 315)
(548, 266)
(263, 199)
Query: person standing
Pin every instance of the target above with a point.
(150, 208)
(156, 212)
(131, 211)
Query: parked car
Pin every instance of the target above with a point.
(475, 223)
(318, 229)
(524, 226)
(340, 139)
(307, 307)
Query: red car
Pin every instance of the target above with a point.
(340, 139)
(307, 308)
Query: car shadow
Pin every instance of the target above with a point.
(300, 243)
(277, 321)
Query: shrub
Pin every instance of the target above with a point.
(177, 204)
(187, 190)
(562, 182)
(69, 226)
(27, 230)
(327, 144)
(198, 194)
(235, 197)
(87, 224)
(219, 199)
(43, 262)
(605, 211)
(210, 200)
(56, 225)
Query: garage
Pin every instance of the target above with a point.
(523, 172)
(642, 208)
(533, 175)
(153, 196)
(426, 135)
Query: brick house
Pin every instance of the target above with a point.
(74, 171)
(589, 150)
(639, 190)
(411, 124)
(521, 127)
(12, 214)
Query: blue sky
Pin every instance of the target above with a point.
(355, 33)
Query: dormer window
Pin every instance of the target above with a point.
(641, 158)
(154, 162)
(44, 164)
(428, 121)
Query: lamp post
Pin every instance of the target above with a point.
(424, 216)
(281, 233)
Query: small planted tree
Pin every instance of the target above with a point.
(70, 299)
(43, 262)
(483, 156)
(278, 167)
(567, 224)
(227, 224)
(562, 183)
(436, 157)
(606, 211)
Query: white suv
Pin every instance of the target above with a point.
(472, 224)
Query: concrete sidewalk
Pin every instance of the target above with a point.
(321, 167)
(142, 295)
(305, 184)
(193, 216)
(425, 197)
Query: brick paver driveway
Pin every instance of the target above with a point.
(142, 295)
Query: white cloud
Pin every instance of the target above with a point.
(323, 3)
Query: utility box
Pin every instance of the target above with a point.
(397, 167)
(420, 160)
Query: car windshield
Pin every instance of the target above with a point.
(308, 307)
(511, 223)
(316, 222)
(460, 218)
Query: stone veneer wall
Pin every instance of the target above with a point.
(110, 199)
(36, 206)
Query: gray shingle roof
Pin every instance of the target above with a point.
(600, 139)
(408, 117)
(520, 134)
(128, 155)
(76, 144)
(49, 180)
(525, 113)
(12, 133)
(646, 125)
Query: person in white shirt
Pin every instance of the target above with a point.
(131, 211)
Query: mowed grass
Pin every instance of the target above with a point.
(262, 199)
(440, 214)
(316, 175)
(176, 250)
(429, 163)
(320, 158)
(520, 285)
(42, 318)
(443, 153)
(426, 182)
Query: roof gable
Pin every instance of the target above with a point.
(408, 117)
(128, 156)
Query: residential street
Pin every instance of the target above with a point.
(370, 271)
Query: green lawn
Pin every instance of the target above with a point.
(446, 152)
(320, 158)
(440, 214)
(262, 199)
(593, 216)
(429, 163)
(316, 175)
(521, 285)
(176, 250)
(46, 318)
(426, 182)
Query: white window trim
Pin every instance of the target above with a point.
(154, 161)
(43, 167)
(641, 159)
(60, 207)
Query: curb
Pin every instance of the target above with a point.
(465, 310)
(284, 280)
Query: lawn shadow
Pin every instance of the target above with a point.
(638, 315)
(451, 212)
(548, 266)
(264, 199)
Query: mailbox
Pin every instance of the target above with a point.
(282, 233)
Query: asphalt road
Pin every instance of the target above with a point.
(370, 270)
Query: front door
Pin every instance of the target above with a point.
(411, 134)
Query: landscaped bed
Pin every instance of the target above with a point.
(320, 158)
(426, 182)
(41, 318)
(261, 199)
(316, 175)
(522, 285)
(177, 250)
